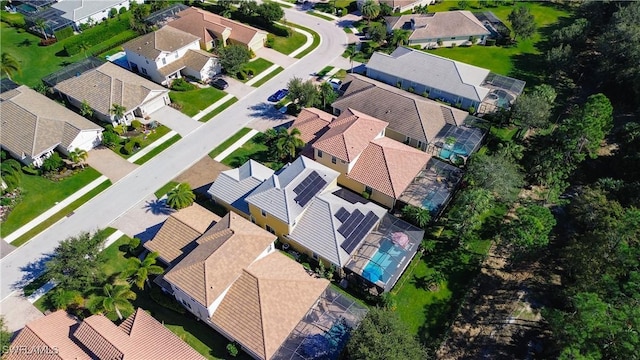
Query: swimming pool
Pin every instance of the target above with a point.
(120, 59)
(26, 8)
(382, 264)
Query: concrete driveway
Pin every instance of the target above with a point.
(144, 219)
(109, 163)
(236, 87)
(202, 174)
(275, 57)
(18, 311)
(174, 119)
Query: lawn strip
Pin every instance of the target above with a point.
(268, 77)
(318, 14)
(158, 149)
(230, 141)
(165, 189)
(219, 109)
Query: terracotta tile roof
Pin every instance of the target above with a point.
(349, 135)
(139, 337)
(166, 39)
(33, 123)
(222, 252)
(312, 124)
(180, 230)
(408, 114)
(110, 84)
(445, 24)
(388, 166)
(205, 25)
(266, 302)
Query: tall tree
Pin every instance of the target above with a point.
(530, 230)
(289, 143)
(9, 65)
(181, 196)
(382, 336)
(140, 270)
(86, 110)
(498, 174)
(416, 215)
(303, 93)
(233, 58)
(370, 10)
(5, 336)
(328, 94)
(78, 156)
(400, 37)
(248, 8)
(377, 32)
(270, 12)
(522, 22)
(63, 299)
(42, 25)
(75, 262)
(534, 109)
(115, 298)
(468, 208)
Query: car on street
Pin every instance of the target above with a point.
(278, 95)
(219, 83)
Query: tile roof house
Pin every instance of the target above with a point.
(451, 81)
(401, 5)
(33, 126)
(443, 28)
(61, 336)
(110, 84)
(232, 186)
(210, 27)
(233, 279)
(88, 11)
(412, 119)
(169, 53)
(355, 145)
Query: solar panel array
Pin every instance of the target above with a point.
(342, 214)
(355, 228)
(308, 188)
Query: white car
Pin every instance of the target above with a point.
(335, 83)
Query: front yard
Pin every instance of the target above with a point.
(144, 140)
(39, 194)
(252, 149)
(288, 44)
(193, 101)
(255, 67)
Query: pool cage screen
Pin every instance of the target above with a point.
(324, 330)
(160, 17)
(458, 140)
(72, 70)
(511, 85)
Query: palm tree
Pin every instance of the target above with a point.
(141, 270)
(64, 299)
(418, 216)
(370, 10)
(78, 156)
(9, 65)
(41, 23)
(181, 196)
(86, 110)
(400, 37)
(118, 111)
(288, 143)
(328, 95)
(116, 297)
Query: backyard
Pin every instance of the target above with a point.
(193, 101)
(40, 194)
(38, 61)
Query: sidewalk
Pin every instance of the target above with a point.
(151, 146)
(307, 43)
(236, 145)
(55, 209)
(212, 107)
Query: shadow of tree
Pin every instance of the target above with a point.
(149, 232)
(158, 207)
(32, 271)
(267, 111)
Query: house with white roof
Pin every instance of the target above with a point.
(89, 11)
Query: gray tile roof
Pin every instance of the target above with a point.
(406, 113)
(275, 195)
(166, 39)
(439, 25)
(431, 70)
(79, 9)
(33, 123)
(317, 230)
(232, 186)
(110, 84)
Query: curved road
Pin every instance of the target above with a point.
(126, 193)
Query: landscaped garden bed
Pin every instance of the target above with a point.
(128, 140)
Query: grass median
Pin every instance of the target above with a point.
(158, 149)
(230, 141)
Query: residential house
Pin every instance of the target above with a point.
(305, 208)
(457, 83)
(444, 28)
(33, 126)
(312, 124)
(109, 84)
(231, 277)
(413, 120)
(62, 336)
(401, 5)
(215, 30)
(369, 163)
(89, 11)
(169, 53)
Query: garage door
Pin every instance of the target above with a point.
(154, 104)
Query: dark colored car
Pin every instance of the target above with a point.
(219, 83)
(279, 95)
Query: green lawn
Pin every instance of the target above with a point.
(38, 61)
(320, 15)
(194, 101)
(156, 134)
(40, 194)
(230, 141)
(252, 149)
(165, 189)
(314, 44)
(268, 77)
(325, 70)
(257, 66)
(287, 45)
(501, 59)
(157, 150)
(219, 109)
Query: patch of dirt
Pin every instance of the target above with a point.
(202, 174)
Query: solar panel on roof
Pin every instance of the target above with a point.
(342, 214)
(356, 228)
(351, 223)
(308, 188)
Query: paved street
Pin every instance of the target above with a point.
(137, 185)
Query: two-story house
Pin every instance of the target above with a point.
(169, 53)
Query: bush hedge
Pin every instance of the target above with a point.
(64, 33)
(181, 85)
(97, 34)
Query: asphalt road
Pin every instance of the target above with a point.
(117, 199)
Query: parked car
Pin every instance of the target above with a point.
(335, 83)
(219, 83)
(278, 95)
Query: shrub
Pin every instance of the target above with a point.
(136, 124)
(64, 33)
(113, 12)
(241, 75)
(425, 94)
(110, 138)
(53, 162)
(366, 195)
(250, 73)
(344, 11)
(472, 110)
(411, 89)
(453, 45)
(490, 42)
(47, 42)
(399, 84)
(30, 170)
(270, 40)
(122, 10)
(439, 42)
(181, 84)
(232, 349)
